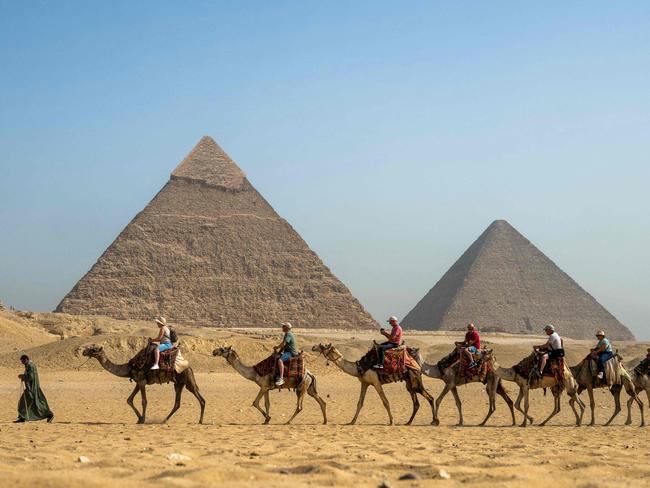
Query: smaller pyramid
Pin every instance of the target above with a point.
(504, 283)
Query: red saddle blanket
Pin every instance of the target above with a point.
(554, 367)
(396, 361)
(144, 359)
(481, 367)
(294, 368)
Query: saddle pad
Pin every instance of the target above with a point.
(396, 361)
(294, 368)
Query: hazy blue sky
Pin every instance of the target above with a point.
(389, 134)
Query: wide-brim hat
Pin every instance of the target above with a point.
(600, 333)
(550, 327)
(287, 325)
(161, 321)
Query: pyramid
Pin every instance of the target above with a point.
(210, 250)
(504, 283)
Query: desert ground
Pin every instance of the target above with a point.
(232, 448)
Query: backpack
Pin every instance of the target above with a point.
(173, 336)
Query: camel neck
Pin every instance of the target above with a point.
(346, 366)
(431, 370)
(121, 370)
(507, 374)
(246, 371)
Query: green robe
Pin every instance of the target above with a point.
(32, 404)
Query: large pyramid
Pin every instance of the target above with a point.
(209, 249)
(504, 283)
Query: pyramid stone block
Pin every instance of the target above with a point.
(210, 250)
(503, 282)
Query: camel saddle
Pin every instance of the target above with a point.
(396, 361)
(643, 368)
(482, 365)
(554, 367)
(612, 373)
(170, 360)
(294, 368)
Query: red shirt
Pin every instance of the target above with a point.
(396, 335)
(472, 335)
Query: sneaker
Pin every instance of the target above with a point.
(50, 419)
(600, 376)
(155, 366)
(279, 382)
(19, 420)
(473, 364)
(378, 366)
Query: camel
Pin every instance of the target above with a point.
(181, 380)
(526, 384)
(450, 376)
(586, 381)
(267, 382)
(641, 383)
(412, 379)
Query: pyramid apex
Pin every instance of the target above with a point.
(209, 164)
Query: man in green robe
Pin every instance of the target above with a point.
(32, 404)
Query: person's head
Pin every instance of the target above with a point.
(471, 326)
(600, 334)
(286, 326)
(161, 321)
(549, 329)
(24, 358)
(392, 320)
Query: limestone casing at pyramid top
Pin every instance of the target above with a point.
(207, 163)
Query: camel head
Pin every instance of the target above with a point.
(223, 351)
(328, 351)
(93, 351)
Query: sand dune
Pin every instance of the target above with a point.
(233, 449)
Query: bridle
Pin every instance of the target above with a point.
(328, 350)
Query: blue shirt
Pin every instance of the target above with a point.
(604, 342)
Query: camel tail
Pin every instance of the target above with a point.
(544, 391)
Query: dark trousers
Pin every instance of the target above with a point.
(603, 357)
(382, 348)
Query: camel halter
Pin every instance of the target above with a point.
(329, 351)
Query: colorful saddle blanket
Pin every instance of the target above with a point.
(396, 361)
(554, 367)
(482, 366)
(144, 359)
(294, 368)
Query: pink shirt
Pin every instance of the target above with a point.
(396, 334)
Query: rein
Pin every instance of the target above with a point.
(89, 358)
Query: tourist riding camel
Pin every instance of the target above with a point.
(471, 345)
(287, 350)
(164, 340)
(603, 352)
(553, 347)
(394, 340)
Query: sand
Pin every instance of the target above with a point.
(233, 449)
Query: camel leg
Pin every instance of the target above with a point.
(130, 402)
(193, 388)
(422, 391)
(592, 405)
(571, 391)
(491, 391)
(526, 392)
(520, 397)
(311, 391)
(442, 395)
(384, 400)
(506, 398)
(178, 387)
(556, 405)
(256, 404)
(616, 393)
(632, 392)
(300, 395)
(267, 405)
(414, 400)
(143, 394)
(362, 396)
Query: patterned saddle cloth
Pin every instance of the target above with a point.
(481, 367)
(554, 367)
(145, 358)
(396, 361)
(294, 368)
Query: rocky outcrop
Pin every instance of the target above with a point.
(503, 282)
(209, 249)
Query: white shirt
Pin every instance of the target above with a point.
(166, 338)
(554, 341)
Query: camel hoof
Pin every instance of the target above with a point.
(435, 422)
